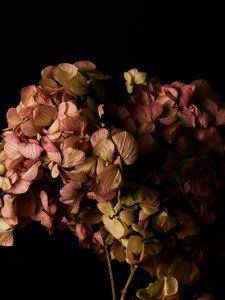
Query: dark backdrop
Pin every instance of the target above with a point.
(175, 41)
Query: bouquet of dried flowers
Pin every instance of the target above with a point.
(135, 172)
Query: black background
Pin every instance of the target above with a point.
(177, 41)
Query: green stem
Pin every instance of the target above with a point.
(110, 273)
(129, 280)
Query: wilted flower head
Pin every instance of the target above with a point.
(144, 182)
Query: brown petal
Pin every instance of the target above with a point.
(110, 178)
(72, 157)
(126, 146)
(44, 115)
(85, 65)
(27, 95)
(12, 118)
(105, 149)
(29, 129)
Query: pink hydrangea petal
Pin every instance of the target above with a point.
(187, 92)
(81, 231)
(30, 150)
(20, 187)
(71, 109)
(11, 147)
(45, 219)
(44, 199)
(32, 173)
(69, 191)
(51, 150)
(99, 135)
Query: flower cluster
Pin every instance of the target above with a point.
(140, 175)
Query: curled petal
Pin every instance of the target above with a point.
(85, 65)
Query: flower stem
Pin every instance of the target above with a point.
(110, 273)
(125, 290)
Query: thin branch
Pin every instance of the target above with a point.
(110, 273)
(126, 288)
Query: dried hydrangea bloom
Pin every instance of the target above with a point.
(140, 176)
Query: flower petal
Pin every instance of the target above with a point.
(126, 146)
(72, 157)
(6, 238)
(109, 179)
(44, 199)
(11, 147)
(64, 72)
(85, 65)
(29, 129)
(99, 135)
(20, 187)
(30, 150)
(32, 173)
(105, 150)
(27, 95)
(44, 115)
(4, 183)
